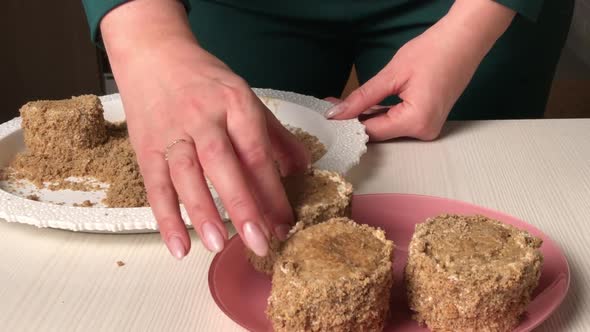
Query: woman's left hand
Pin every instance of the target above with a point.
(428, 73)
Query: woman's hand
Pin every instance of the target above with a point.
(429, 73)
(190, 117)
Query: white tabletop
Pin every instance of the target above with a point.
(538, 170)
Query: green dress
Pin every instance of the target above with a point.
(309, 46)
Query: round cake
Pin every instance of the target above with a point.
(471, 273)
(333, 276)
(315, 196)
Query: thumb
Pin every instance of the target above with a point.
(364, 97)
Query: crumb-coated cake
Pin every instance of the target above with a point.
(318, 195)
(58, 126)
(333, 276)
(471, 273)
(315, 196)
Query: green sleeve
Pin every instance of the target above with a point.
(527, 8)
(97, 9)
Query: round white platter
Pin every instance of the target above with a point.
(345, 142)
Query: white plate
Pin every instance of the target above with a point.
(345, 142)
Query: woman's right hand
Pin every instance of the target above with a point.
(190, 118)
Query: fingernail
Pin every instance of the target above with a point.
(255, 239)
(212, 238)
(176, 247)
(282, 231)
(332, 112)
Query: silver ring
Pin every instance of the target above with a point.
(171, 145)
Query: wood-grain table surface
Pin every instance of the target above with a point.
(537, 170)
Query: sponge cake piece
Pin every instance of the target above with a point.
(471, 273)
(315, 196)
(333, 276)
(60, 126)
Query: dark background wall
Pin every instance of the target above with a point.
(46, 53)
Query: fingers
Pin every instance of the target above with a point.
(187, 177)
(253, 148)
(389, 125)
(164, 202)
(266, 185)
(402, 120)
(223, 168)
(291, 155)
(371, 110)
(367, 95)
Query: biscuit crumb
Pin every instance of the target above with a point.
(86, 203)
(33, 197)
(120, 263)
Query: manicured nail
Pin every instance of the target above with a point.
(212, 238)
(282, 231)
(176, 247)
(255, 239)
(332, 112)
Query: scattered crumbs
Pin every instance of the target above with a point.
(76, 186)
(86, 203)
(120, 263)
(112, 162)
(33, 197)
(59, 203)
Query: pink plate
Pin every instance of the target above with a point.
(241, 292)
